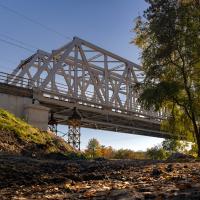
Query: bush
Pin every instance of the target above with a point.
(157, 153)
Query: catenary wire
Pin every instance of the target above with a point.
(34, 21)
(18, 41)
(16, 45)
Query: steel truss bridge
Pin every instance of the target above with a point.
(85, 80)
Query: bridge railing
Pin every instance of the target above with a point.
(15, 80)
(61, 93)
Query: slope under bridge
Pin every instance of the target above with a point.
(83, 85)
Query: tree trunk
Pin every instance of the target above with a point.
(198, 142)
(197, 134)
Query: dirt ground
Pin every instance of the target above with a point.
(27, 178)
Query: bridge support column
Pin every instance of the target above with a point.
(37, 116)
(53, 125)
(74, 136)
(74, 123)
(53, 128)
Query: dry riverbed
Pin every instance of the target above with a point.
(27, 178)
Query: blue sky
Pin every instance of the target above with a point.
(106, 23)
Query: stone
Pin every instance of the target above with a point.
(180, 156)
(149, 195)
(156, 172)
(183, 185)
(169, 168)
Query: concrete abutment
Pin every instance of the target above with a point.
(22, 107)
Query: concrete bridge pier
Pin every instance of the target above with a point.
(22, 107)
(37, 115)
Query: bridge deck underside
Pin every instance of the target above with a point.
(103, 120)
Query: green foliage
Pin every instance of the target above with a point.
(123, 154)
(94, 148)
(166, 91)
(175, 145)
(178, 124)
(172, 145)
(157, 153)
(75, 156)
(193, 151)
(168, 147)
(168, 35)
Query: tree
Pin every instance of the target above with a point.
(124, 154)
(129, 154)
(107, 152)
(157, 153)
(93, 148)
(193, 150)
(172, 145)
(169, 36)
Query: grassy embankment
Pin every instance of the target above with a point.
(16, 136)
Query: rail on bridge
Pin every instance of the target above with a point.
(85, 80)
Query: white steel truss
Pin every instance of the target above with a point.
(83, 73)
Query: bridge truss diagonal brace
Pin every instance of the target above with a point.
(94, 79)
(56, 65)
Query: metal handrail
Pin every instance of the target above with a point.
(15, 80)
